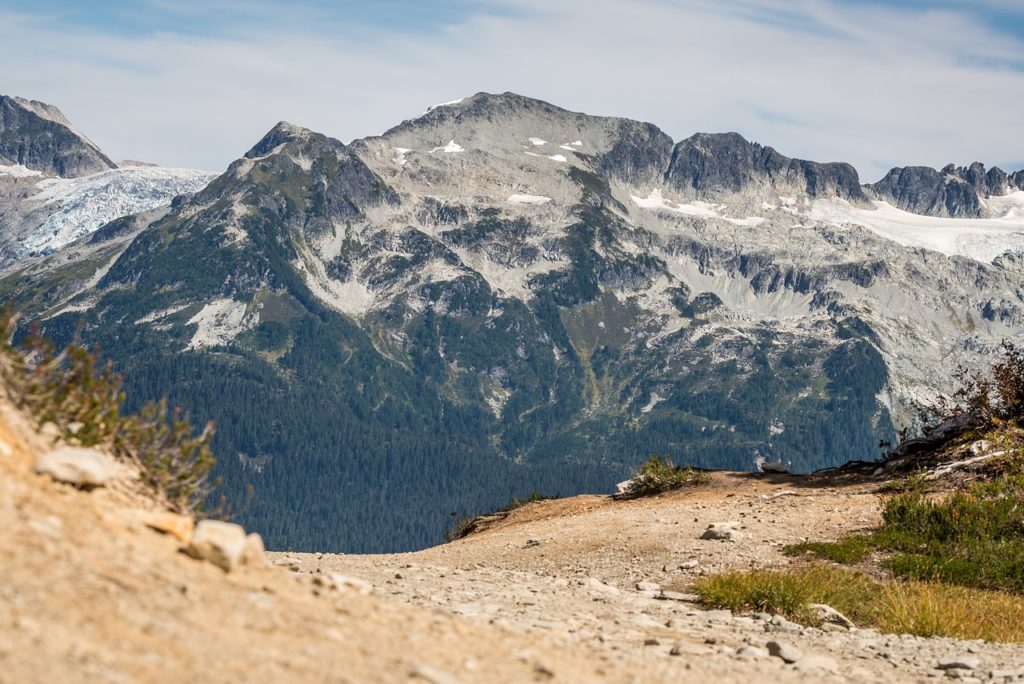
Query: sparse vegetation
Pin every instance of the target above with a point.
(922, 608)
(658, 474)
(71, 390)
(464, 526)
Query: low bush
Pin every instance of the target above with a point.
(73, 391)
(657, 475)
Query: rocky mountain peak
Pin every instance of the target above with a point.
(954, 191)
(38, 136)
(281, 134)
(711, 163)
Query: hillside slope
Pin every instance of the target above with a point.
(502, 296)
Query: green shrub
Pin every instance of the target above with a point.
(658, 475)
(72, 390)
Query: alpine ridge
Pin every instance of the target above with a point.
(501, 296)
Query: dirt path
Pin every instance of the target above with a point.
(569, 570)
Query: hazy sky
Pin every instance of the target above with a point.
(196, 82)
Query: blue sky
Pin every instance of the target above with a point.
(195, 83)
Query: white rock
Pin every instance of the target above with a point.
(648, 586)
(220, 543)
(77, 466)
(254, 552)
(828, 614)
(725, 531)
(751, 652)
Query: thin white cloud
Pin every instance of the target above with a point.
(816, 79)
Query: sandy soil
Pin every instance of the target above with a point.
(89, 593)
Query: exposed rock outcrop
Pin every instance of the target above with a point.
(954, 191)
(38, 136)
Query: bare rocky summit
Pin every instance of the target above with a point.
(37, 136)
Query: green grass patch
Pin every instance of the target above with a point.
(973, 538)
(851, 550)
(925, 609)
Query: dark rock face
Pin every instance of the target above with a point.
(1017, 180)
(38, 136)
(954, 191)
(639, 154)
(711, 163)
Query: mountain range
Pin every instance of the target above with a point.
(501, 296)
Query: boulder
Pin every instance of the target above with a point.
(723, 531)
(254, 552)
(220, 543)
(77, 466)
(774, 467)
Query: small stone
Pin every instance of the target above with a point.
(597, 584)
(648, 586)
(218, 542)
(651, 642)
(350, 584)
(255, 552)
(173, 524)
(679, 596)
(967, 662)
(751, 652)
(828, 614)
(766, 617)
(723, 531)
(677, 649)
(531, 543)
(689, 565)
(77, 466)
(787, 653)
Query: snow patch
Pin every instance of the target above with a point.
(558, 158)
(399, 157)
(537, 142)
(656, 201)
(219, 322)
(528, 199)
(979, 239)
(451, 148)
(443, 104)
(19, 171)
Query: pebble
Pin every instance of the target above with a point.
(787, 653)
(751, 652)
(968, 662)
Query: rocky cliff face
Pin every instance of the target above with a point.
(501, 296)
(712, 164)
(953, 191)
(38, 136)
